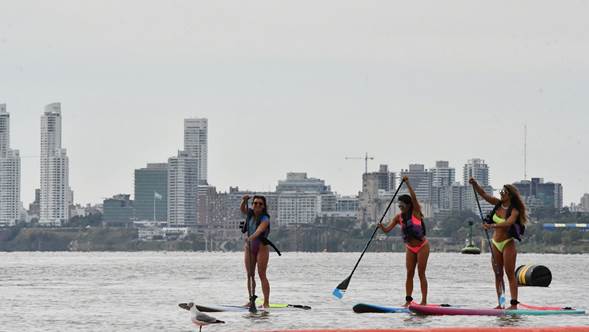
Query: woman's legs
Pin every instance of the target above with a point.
(263, 258)
(410, 262)
(422, 257)
(509, 257)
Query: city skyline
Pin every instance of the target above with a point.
(195, 129)
(191, 123)
(301, 89)
(436, 187)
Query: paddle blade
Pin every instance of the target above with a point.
(502, 300)
(338, 293)
(299, 306)
(253, 309)
(341, 288)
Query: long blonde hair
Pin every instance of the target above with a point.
(517, 202)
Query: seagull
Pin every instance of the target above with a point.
(199, 318)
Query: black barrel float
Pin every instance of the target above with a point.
(533, 275)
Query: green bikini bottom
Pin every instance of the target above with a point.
(501, 245)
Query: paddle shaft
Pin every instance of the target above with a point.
(376, 229)
(495, 266)
(250, 278)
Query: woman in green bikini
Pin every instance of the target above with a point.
(508, 217)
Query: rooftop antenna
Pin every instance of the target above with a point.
(366, 157)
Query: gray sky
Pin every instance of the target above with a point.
(299, 85)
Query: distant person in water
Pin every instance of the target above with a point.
(256, 252)
(508, 220)
(416, 244)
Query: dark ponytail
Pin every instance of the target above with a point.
(409, 202)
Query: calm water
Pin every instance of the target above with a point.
(139, 291)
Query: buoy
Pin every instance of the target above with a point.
(470, 247)
(533, 275)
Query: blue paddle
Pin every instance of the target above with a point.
(343, 286)
(501, 296)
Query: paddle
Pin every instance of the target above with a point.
(501, 296)
(250, 279)
(343, 286)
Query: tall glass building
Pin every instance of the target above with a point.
(151, 192)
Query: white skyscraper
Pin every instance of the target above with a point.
(186, 172)
(444, 175)
(195, 144)
(4, 130)
(443, 178)
(55, 190)
(9, 174)
(182, 190)
(479, 170)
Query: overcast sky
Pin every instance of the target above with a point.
(298, 86)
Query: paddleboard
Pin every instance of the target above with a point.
(237, 308)
(432, 310)
(362, 308)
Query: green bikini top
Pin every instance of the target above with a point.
(497, 219)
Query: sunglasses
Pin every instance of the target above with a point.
(258, 203)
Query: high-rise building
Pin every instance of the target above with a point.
(118, 210)
(206, 202)
(9, 174)
(55, 190)
(421, 180)
(35, 206)
(443, 178)
(537, 193)
(186, 172)
(301, 199)
(301, 183)
(383, 179)
(585, 203)
(298, 207)
(347, 204)
(458, 196)
(151, 192)
(377, 190)
(196, 144)
(477, 169)
(4, 130)
(182, 190)
(443, 174)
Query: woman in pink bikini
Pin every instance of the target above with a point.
(417, 246)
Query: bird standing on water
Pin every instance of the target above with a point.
(199, 318)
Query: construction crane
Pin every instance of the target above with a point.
(366, 157)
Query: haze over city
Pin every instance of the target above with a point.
(285, 88)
